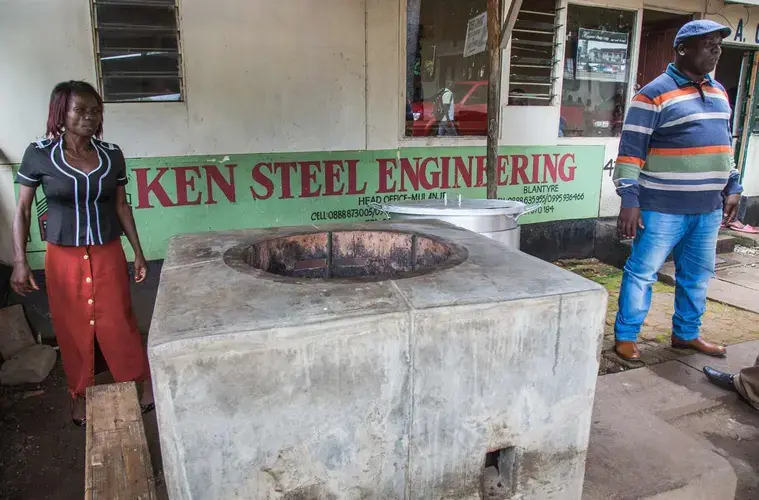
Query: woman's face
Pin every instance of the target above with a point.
(84, 115)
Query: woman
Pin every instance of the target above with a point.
(85, 268)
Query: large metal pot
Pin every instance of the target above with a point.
(496, 219)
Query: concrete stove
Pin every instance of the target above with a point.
(392, 360)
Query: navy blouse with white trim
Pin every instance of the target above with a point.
(81, 207)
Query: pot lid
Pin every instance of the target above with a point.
(456, 206)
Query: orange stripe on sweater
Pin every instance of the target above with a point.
(704, 150)
(630, 159)
(661, 99)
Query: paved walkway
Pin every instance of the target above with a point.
(665, 432)
(736, 282)
(723, 322)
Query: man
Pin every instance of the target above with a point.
(676, 177)
(745, 383)
(445, 111)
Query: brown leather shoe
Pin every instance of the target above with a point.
(627, 350)
(700, 345)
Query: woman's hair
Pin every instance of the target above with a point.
(59, 103)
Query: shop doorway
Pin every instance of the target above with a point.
(657, 43)
(731, 73)
(734, 73)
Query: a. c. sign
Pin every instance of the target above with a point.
(743, 20)
(189, 194)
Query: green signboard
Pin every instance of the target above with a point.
(187, 194)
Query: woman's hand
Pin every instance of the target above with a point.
(140, 269)
(22, 280)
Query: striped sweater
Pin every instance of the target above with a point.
(676, 154)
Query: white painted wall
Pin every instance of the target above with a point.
(260, 76)
(751, 171)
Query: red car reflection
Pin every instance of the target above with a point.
(470, 103)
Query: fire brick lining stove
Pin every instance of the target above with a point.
(392, 360)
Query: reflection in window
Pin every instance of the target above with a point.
(533, 54)
(447, 68)
(596, 71)
(138, 50)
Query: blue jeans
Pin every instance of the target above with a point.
(692, 239)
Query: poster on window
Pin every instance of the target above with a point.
(601, 56)
(476, 35)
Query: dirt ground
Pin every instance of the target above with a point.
(41, 451)
(721, 323)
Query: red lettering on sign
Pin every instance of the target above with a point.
(463, 172)
(502, 172)
(260, 178)
(519, 165)
(353, 179)
(186, 185)
(445, 172)
(567, 173)
(308, 171)
(284, 176)
(550, 167)
(429, 180)
(481, 171)
(386, 167)
(535, 169)
(332, 171)
(144, 188)
(409, 173)
(215, 177)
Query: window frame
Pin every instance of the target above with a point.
(560, 21)
(435, 141)
(634, 57)
(99, 67)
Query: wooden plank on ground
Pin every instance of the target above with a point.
(118, 465)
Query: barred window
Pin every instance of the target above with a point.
(138, 50)
(532, 78)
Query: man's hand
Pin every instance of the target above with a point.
(629, 221)
(731, 207)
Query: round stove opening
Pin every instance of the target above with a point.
(367, 255)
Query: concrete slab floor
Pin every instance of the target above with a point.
(731, 431)
(643, 410)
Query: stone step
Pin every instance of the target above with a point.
(635, 453)
(736, 282)
(744, 239)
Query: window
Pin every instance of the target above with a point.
(479, 95)
(533, 54)
(596, 71)
(447, 67)
(138, 50)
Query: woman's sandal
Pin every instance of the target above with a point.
(79, 422)
(147, 408)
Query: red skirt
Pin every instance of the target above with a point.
(88, 291)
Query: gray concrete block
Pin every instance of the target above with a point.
(668, 390)
(30, 365)
(274, 388)
(635, 455)
(739, 356)
(15, 333)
